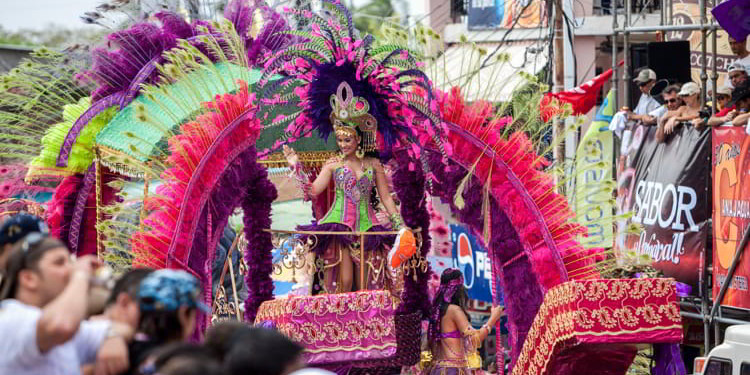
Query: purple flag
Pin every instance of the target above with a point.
(734, 17)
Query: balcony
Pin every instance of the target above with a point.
(604, 7)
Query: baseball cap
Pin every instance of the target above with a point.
(736, 66)
(19, 225)
(724, 90)
(688, 89)
(168, 290)
(645, 75)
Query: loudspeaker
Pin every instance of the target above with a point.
(669, 60)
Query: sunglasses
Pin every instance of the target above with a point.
(31, 241)
(673, 100)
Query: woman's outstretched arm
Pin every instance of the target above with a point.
(320, 184)
(462, 323)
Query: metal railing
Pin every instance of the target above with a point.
(710, 310)
(294, 249)
(667, 24)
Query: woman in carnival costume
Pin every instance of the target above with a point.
(372, 99)
(452, 340)
(356, 178)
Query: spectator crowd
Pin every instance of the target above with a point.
(65, 316)
(682, 104)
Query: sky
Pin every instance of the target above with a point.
(36, 14)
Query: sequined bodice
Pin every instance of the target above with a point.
(355, 189)
(352, 203)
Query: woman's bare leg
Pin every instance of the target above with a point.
(346, 271)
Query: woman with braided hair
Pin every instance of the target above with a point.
(452, 340)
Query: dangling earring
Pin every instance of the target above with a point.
(359, 153)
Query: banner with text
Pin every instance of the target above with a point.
(474, 261)
(687, 12)
(594, 159)
(731, 213)
(664, 186)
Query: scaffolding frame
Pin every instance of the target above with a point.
(710, 311)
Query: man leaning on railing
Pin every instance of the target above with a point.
(692, 109)
(672, 102)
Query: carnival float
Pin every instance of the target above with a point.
(152, 142)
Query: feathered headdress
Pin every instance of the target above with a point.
(332, 69)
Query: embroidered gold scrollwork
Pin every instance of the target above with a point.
(569, 323)
(604, 317)
(289, 331)
(381, 301)
(617, 290)
(295, 306)
(579, 289)
(532, 369)
(543, 347)
(549, 336)
(339, 306)
(649, 314)
(620, 307)
(361, 303)
(311, 333)
(626, 315)
(335, 332)
(671, 311)
(662, 287)
(315, 307)
(539, 359)
(640, 290)
(595, 291)
(378, 328)
(357, 330)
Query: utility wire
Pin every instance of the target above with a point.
(505, 36)
(570, 39)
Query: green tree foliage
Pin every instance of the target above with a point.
(369, 17)
(52, 36)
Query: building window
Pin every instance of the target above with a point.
(459, 8)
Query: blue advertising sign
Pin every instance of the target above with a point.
(474, 261)
(486, 14)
